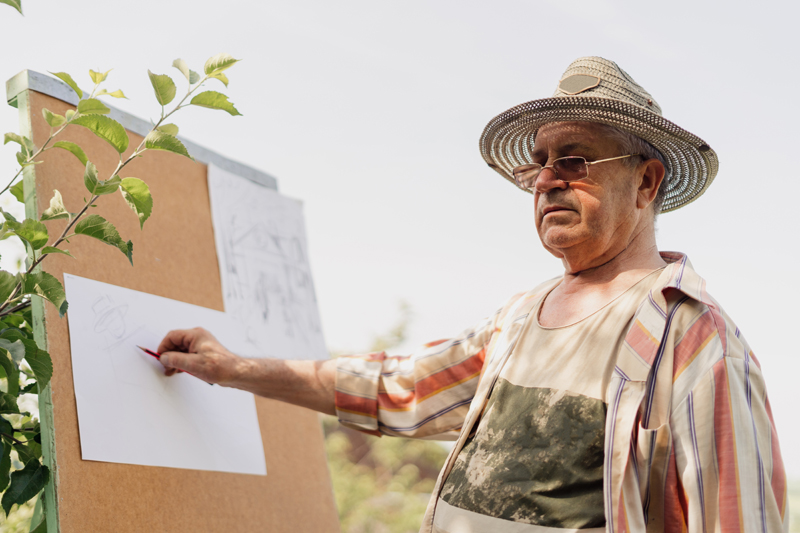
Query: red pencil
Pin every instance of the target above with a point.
(158, 356)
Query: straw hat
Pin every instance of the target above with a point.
(594, 89)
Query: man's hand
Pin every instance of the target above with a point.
(310, 384)
(199, 353)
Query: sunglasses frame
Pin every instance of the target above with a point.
(532, 166)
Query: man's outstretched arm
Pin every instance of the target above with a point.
(308, 384)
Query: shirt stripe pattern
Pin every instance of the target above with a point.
(691, 445)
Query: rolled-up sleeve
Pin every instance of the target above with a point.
(423, 395)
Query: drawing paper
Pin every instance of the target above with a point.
(128, 410)
(263, 262)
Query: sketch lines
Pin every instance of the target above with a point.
(266, 277)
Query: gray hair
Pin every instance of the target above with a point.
(631, 144)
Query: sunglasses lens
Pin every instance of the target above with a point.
(525, 175)
(571, 168)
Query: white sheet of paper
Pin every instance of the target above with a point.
(128, 410)
(263, 261)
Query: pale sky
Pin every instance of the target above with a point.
(370, 112)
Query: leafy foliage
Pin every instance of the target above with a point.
(137, 194)
(215, 100)
(106, 128)
(92, 106)
(160, 140)
(16, 4)
(76, 150)
(24, 367)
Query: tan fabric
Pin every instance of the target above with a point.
(690, 440)
(537, 455)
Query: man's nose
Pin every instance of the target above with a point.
(547, 180)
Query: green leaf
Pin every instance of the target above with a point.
(31, 231)
(8, 282)
(30, 388)
(157, 140)
(8, 404)
(76, 150)
(24, 142)
(107, 129)
(13, 333)
(15, 348)
(214, 100)
(99, 77)
(103, 230)
(116, 94)
(18, 192)
(53, 250)
(5, 465)
(11, 370)
(46, 286)
(42, 527)
(169, 129)
(56, 209)
(181, 65)
(25, 484)
(221, 77)
(16, 4)
(39, 361)
(163, 86)
(92, 106)
(26, 455)
(53, 119)
(218, 63)
(6, 427)
(137, 194)
(66, 78)
(97, 186)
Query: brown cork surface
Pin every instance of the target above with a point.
(174, 257)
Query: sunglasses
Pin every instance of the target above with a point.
(567, 169)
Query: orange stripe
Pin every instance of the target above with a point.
(677, 373)
(433, 384)
(778, 481)
(674, 499)
(692, 343)
(356, 405)
(642, 342)
(622, 518)
(730, 505)
(385, 400)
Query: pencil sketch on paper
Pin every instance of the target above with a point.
(126, 403)
(119, 340)
(264, 266)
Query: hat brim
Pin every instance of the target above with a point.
(507, 141)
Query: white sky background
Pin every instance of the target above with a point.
(370, 112)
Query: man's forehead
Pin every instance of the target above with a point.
(585, 134)
(558, 130)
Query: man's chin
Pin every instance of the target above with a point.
(559, 238)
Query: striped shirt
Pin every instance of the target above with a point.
(690, 443)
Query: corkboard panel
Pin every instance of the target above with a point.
(174, 257)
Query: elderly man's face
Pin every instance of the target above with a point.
(586, 219)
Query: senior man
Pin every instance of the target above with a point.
(618, 397)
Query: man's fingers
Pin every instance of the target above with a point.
(176, 361)
(177, 340)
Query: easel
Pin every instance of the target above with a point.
(87, 496)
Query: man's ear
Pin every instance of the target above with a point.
(652, 174)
